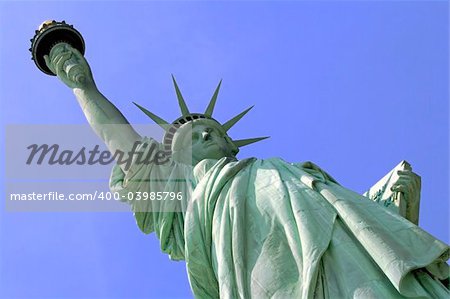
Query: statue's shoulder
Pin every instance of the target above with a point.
(315, 170)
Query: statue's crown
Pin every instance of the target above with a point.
(186, 117)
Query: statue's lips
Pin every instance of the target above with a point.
(209, 143)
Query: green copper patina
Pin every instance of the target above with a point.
(263, 228)
(202, 126)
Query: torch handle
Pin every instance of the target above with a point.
(72, 67)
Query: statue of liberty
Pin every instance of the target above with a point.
(257, 228)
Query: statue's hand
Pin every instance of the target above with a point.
(70, 66)
(409, 184)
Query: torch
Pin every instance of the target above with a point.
(53, 33)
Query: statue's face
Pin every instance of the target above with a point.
(208, 141)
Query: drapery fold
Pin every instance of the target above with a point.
(271, 229)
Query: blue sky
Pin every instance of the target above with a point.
(354, 86)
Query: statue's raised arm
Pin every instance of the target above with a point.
(72, 68)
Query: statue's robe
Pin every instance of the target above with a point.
(267, 228)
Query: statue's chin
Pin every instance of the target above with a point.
(190, 158)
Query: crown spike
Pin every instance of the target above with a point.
(161, 122)
(181, 102)
(226, 126)
(209, 110)
(244, 142)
